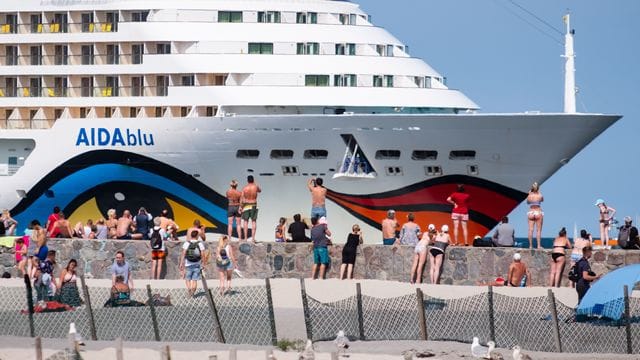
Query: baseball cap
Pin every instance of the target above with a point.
(431, 227)
(517, 256)
(599, 201)
(445, 228)
(628, 219)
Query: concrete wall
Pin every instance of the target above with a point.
(463, 266)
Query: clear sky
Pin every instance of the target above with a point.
(502, 63)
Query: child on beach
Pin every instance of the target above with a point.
(21, 255)
(280, 229)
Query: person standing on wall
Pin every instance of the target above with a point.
(460, 213)
(318, 196)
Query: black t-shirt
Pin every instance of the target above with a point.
(583, 265)
(353, 240)
(296, 229)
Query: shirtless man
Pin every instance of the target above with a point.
(62, 227)
(318, 195)
(517, 270)
(197, 226)
(249, 205)
(125, 227)
(389, 227)
(233, 209)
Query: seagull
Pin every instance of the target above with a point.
(74, 332)
(307, 353)
(518, 355)
(342, 342)
(493, 355)
(478, 350)
(408, 354)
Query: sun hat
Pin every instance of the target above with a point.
(517, 256)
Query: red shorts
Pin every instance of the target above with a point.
(463, 217)
(158, 254)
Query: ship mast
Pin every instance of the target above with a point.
(569, 68)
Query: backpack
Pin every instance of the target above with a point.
(193, 251)
(573, 273)
(156, 240)
(623, 236)
(223, 260)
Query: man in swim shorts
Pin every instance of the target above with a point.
(233, 209)
(519, 275)
(249, 205)
(318, 195)
(389, 228)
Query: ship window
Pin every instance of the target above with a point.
(394, 171)
(427, 82)
(380, 49)
(61, 55)
(163, 48)
(377, 81)
(307, 18)
(345, 80)
(388, 154)
(139, 16)
(184, 111)
(316, 80)
(36, 55)
(188, 80)
(388, 80)
(230, 16)
(11, 53)
(83, 112)
(113, 54)
(269, 16)
(87, 54)
(308, 48)
(87, 22)
(462, 155)
(389, 50)
(290, 171)
(267, 174)
(57, 114)
(108, 112)
(247, 154)
(209, 111)
(137, 85)
(433, 170)
(472, 169)
(316, 154)
(260, 48)
(137, 51)
(36, 23)
(281, 154)
(348, 19)
(12, 160)
(424, 155)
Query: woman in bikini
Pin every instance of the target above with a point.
(606, 216)
(442, 240)
(68, 289)
(420, 256)
(535, 214)
(560, 244)
(112, 223)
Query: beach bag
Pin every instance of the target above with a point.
(623, 236)
(156, 240)
(193, 251)
(573, 273)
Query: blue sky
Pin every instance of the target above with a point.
(505, 65)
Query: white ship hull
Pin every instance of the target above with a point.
(186, 164)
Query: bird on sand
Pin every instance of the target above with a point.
(491, 354)
(408, 354)
(519, 355)
(307, 353)
(342, 342)
(477, 350)
(76, 335)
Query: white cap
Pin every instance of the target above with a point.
(432, 227)
(517, 256)
(445, 228)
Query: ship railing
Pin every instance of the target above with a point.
(60, 27)
(83, 91)
(24, 124)
(65, 59)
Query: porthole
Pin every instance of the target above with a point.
(247, 154)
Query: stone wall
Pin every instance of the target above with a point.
(462, 266)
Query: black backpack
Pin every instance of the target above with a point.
(156, 240)
(573, 273)
(193, 251)
(623, 236)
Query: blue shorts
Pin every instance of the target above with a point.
(318, 212)
(192, 272)
(389, 241)
(575, 257)
(320, 255)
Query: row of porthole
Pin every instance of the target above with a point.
(432, 170)
(380, 154)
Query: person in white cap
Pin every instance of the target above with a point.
(440, 244)
(519, 275)
(628, 235)
(606, 217)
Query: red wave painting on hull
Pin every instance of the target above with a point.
(488, 203)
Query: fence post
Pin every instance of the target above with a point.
(272, 318)
(87, 302)
(422, 318)
(154, 317)
(216, 318)
(305, 309)
(554, 317)
(627, 316)
(119, 351)
(27, 283)
(38, 348)
(360, 313)
(492, 322)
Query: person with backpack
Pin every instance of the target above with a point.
(158, 250)
(191, 261)
(628, 235)
(225, 259)
(583, 274)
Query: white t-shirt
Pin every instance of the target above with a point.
(185, 246)
(163, 236)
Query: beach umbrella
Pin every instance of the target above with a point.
(606, 296)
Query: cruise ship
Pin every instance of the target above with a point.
(160, 103)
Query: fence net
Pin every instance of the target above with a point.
(244, 315)
(634, 305)
(185, 318)
(326, 319)
(523, 321)
(457, 319)
(12, 321)
(390, 318)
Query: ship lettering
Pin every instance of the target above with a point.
(115, 137)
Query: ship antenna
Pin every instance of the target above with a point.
(569, 68)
